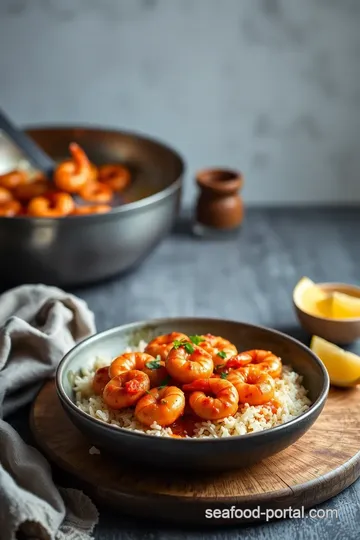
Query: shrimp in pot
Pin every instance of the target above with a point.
(100, 380)
(13, 179)
(212, 399)
(187, 362)
(162, 345)
(72, 175)
(162, 405)
(26, 192)
(58, 205)
(153, 367)
(5, 195)
(94, 172)
(96, 192)
(10, 209)
(267, 361)
(220, 349)
(117, 177)
(91, 209)
(254, 386)
(126, 389)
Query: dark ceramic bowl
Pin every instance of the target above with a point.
(196, 454)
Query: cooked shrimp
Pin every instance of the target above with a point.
(26, 192)
(187, 362)
(154, 368)
(10, 209)
(96, 192)
(161, 405)
(58, 205)
(39, 177)
(162, 345)
(254, 386)
(13, 179)
(213, 399)
(117, 177)
(5, 195)
(71, 175)
(235, 362)
(125, 389)
(94, 173)
(91, 209)
(266, 361)
(219, 348)
(100, 380)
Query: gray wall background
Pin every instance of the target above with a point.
(271, 87)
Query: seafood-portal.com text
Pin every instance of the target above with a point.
(269, 514)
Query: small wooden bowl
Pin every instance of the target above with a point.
(340, 331)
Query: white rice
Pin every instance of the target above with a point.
(289, 393)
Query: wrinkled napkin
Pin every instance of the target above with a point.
(38, 325)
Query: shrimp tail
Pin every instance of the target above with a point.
(80, 158)
(239, 360)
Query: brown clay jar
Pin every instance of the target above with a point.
(219, 205)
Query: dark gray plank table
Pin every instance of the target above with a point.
(246, 278)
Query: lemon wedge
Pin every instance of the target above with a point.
(343, 366)
(345, 306)
(309, 297)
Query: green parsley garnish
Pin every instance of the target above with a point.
(197, 339)
(164, 382)
(188, 348)
(222, 354)
(154, 364)
(186, 344)
(223, 375)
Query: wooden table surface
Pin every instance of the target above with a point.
(247, 278)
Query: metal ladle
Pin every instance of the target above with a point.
(37, 157)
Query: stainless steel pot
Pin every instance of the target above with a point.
(77, 250)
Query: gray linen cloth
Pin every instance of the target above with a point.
(38, 325)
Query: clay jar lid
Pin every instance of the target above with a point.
(219, 205)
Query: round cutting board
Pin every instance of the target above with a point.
(320, 465)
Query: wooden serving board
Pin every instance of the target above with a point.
(320, 465)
